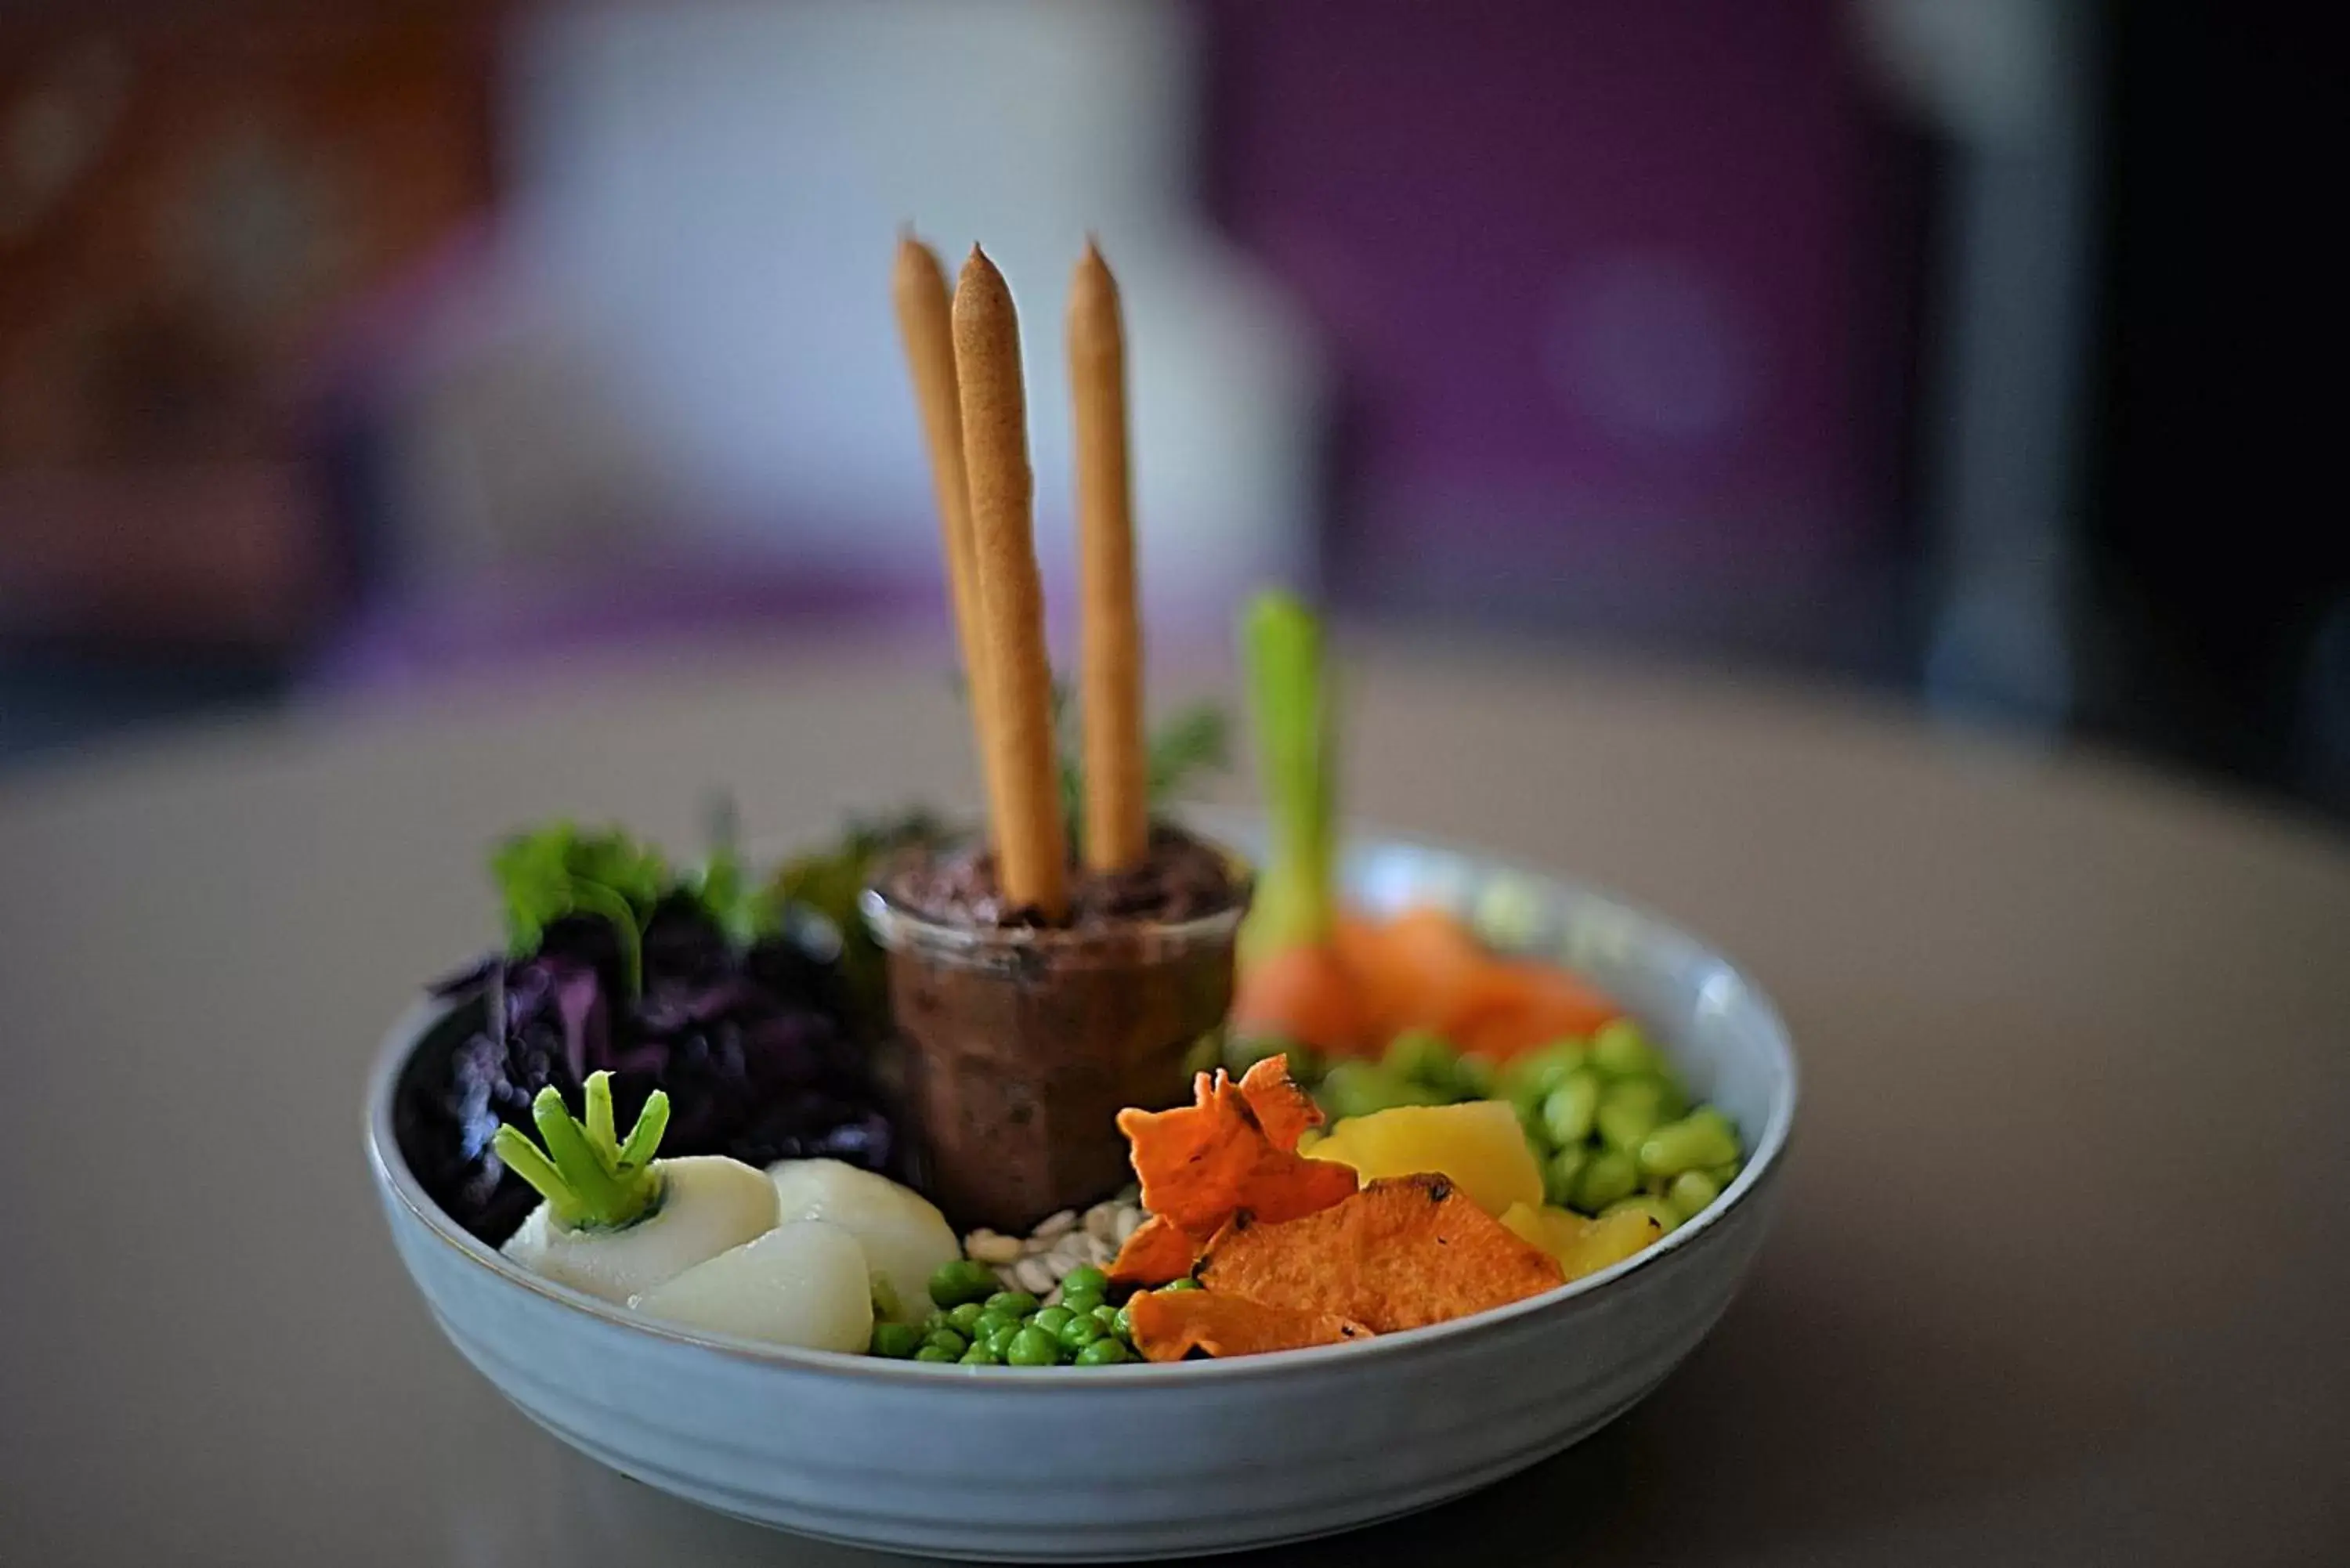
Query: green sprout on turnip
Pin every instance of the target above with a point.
(591, 1179)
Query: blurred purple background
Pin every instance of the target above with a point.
(347, 354)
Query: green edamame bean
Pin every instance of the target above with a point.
(1421, 1056)
(1476, 1076)
(1628, 1110)
(1618, 1049)
(895, 1340)
(1033, 1347)
(1242, 1052)
(1691, 1192)
(1725, 1174)
(1529, 1122)
(964, 1319)
(1012, 1304)
(1567, 1110)
(934, 1353)
(1083, 1280)
(1050, 1319)
(1103, 1352)
(1080, 1302)
(1362, 1088)
(1537, 1072)
(946, 1339)
(1607, 1176)
(1668, 1219)
(1560, 1172)
(979, 1355)
(961, 1280)
(1078, 1332)
(1691, 1144)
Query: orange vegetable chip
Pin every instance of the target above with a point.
(1282, 1109)
(1171, 1324)
(1403, 1252)
(1200, 1164)
(1158, 1252)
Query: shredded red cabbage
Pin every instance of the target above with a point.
(748, 1042)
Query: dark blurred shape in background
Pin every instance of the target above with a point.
(1953, 347)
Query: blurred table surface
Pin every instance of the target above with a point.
(2058, 1275)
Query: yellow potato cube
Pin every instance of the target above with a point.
(1478, 1145)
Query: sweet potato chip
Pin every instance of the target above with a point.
(1157, 1253)
(1200, 1164)
(1401, 1253)
(1282, 1109)
(1171, 1324)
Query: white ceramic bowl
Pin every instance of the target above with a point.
(1151, 1461)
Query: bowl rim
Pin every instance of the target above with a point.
(415, 1022)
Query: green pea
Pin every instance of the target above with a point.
(1103, 1352)
(1421, 1056)
(1618, 1048)
(1033, 1347)
(1078, 1332)
(963, 1280)
(1124, 1325)
(1080, 1302)
(1050, 1319)
(979, 1355)
(1607, 1175)
(934, 1353)
(1667, 1218)
(946, 1339)
(1476, 1078)
(964, 1319)
(937, 1320)
(1724, 1175)
(1567, 1110)
(1185, 1283)
(1559, 1174)
(999, 1340)
(1012, 1304)
(990, 1321)
(1628, 1111)
(1693, 1143)
(1106, 1315)
(1084, 1280)
(1690, 1193)
(1364, 1089)
(895, 1340)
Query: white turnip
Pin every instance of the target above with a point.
(904, 1236)
(618, 1223)
(802, 1283)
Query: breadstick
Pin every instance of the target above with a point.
(1117, 807)
(917, 288)
(1031, 841)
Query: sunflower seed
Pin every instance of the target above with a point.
(987, 1247)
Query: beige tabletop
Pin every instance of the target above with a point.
(2059, 1274)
